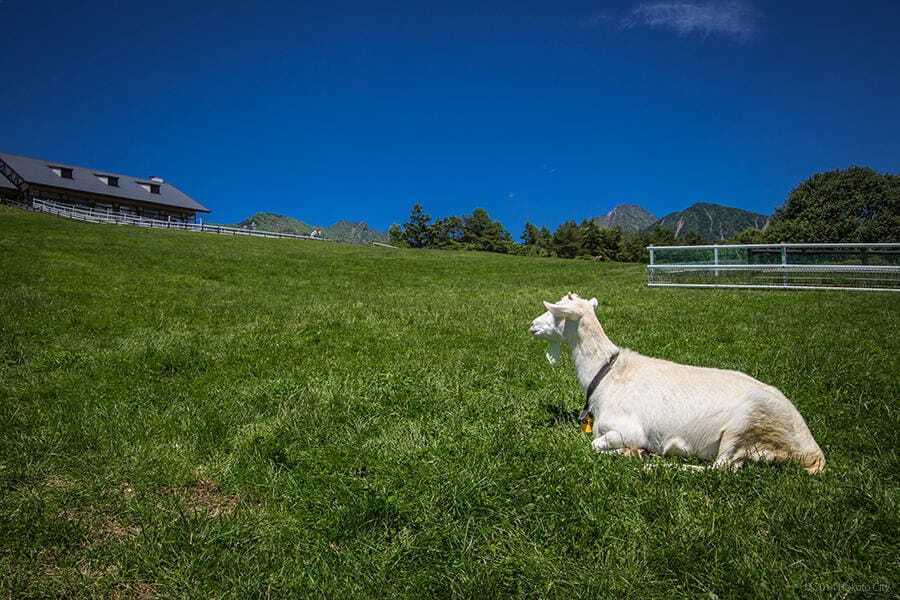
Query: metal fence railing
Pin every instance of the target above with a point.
(777, 266)
(118, 218)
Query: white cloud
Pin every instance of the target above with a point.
(735, 19)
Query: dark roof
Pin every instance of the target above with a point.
(5, 184)
(37, 172)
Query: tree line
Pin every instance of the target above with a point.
(478, 231)
(849, 205)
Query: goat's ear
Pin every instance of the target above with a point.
(563, 311)
(593, 302)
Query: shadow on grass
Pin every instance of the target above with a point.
(558, 415)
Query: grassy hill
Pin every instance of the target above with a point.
(192, 415)
(353, 232)
(713, 222)
(266, 221)
(627, 217)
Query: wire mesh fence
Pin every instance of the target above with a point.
(782, 266)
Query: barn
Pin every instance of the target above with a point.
(25, 180)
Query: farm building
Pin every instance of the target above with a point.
(24, 180)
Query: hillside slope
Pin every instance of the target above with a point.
(266, 221)
(191, 415)
(713, 222)
(353, 232)
(627, 217)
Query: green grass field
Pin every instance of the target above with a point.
(193, 415)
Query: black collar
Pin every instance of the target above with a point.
(604, 370)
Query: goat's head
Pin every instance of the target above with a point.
(561, 317)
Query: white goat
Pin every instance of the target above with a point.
(641, 403)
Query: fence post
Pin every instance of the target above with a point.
(784, 273)
(716, 259)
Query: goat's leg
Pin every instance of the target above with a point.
(619, 434)
(614, 442)
(608, 442)
(730, 456)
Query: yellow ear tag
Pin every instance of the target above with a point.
(587, 424)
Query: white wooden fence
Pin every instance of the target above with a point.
(105, 216)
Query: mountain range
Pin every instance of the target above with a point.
(354, 232)
(712, 222)
(627, 217)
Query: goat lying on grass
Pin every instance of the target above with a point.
(641, 403)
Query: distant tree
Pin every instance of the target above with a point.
(395, 235)
(567, 240)
(531, 235)
(480, 232)
(476, 226)
(751, 235)
(633, 247)
(417, 231)
(693, 239)
(591, 241)
(660, 236)
(856, 204)
(610, 240)
(447, 232)
(537, 242)
(545, 240)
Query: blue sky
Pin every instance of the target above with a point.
(534, 111)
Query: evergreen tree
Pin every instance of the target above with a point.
(531, 235)
(482, 233)
(633, 248)
(590, 239)
(660, 236)
(567, 240)
(447, 232)
(545, 240)
(610, 240)
(693, 239)
(417, 232)
(751, 235)
(395, 235)
(476, 226)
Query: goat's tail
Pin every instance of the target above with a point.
(813, 461)
(807, 451)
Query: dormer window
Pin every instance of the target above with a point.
(110, 180)
(151, 187)
(64, 172)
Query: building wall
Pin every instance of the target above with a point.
(10, 196)
(117, 206)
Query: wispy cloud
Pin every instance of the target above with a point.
(734, 19)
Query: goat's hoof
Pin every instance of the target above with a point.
(599, 445)
(633, 452)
